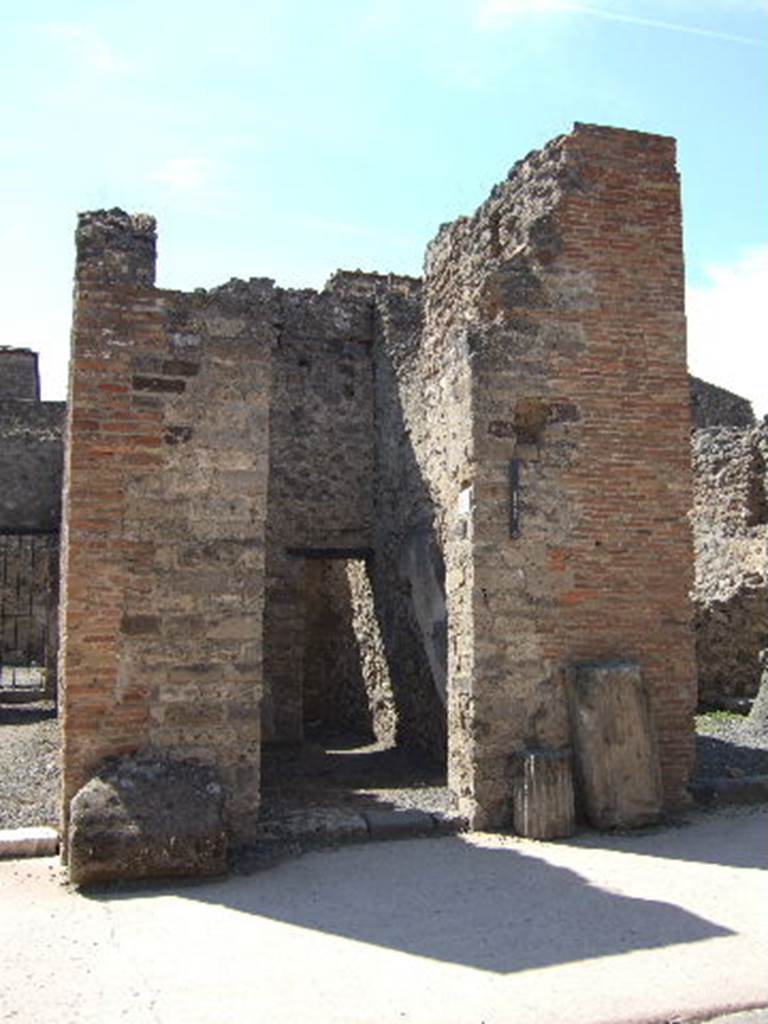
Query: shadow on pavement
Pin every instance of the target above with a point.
(450, 900)
(700, 837)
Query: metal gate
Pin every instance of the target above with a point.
(28, 607)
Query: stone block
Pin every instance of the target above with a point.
(542, 794)
(147, 817)
(615, 744)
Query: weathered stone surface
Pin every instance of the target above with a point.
(758, 715)
(554, 342)
(163, 590)
(398, 824)
(730, 522)
(19, 375)
(505, 446)
(615, 745)
(31, 462)
(147, 817)
(717, 407)
(543, 799)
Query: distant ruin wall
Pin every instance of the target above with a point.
(165, 499)
(713, 406)
(31, 460)
(730, 521)
(562, 300)
(19, 376)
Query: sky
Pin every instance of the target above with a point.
(286, 138)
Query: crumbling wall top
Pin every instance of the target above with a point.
(115, 248)
(369, 283)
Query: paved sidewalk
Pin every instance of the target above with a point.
(664, 925)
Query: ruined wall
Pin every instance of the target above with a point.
(508, 453)
(422, 423)
(346, 678)
(165, 498)
(19, 376)
(321, 471)
(31, 460)
(717, 407)
(730, 523)
(565, 510)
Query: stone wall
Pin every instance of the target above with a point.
(19, 376)
(451, 493)
(730, 521)
(321, 471)
(31, 460)
(558, 308)
(716, 407)
(415, 423)
(346, 685)
(165, 502)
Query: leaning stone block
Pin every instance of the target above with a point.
(615, 744)
(147, 817)
(542, 795)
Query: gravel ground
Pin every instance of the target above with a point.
(730, 746)
(344, 774)
(29, 764)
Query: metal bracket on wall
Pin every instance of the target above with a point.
(514, 498)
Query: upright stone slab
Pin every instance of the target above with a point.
(615, 745)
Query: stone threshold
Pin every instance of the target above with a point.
(304, 829)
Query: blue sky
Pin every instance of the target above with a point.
(285, 139)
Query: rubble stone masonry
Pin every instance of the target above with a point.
(558, 312)
(500, 456)
(730, 522)
(165, 503)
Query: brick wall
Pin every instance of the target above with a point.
(165, 500)
(565, 290)
(513, 446)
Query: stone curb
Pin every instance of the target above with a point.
(28, 842)
(299, 832)
(752, 789)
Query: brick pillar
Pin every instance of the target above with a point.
(165, 497)
(563, 297)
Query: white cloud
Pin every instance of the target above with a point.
(728, 327)
(185, 173)
(490, 13)
(90, 48)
